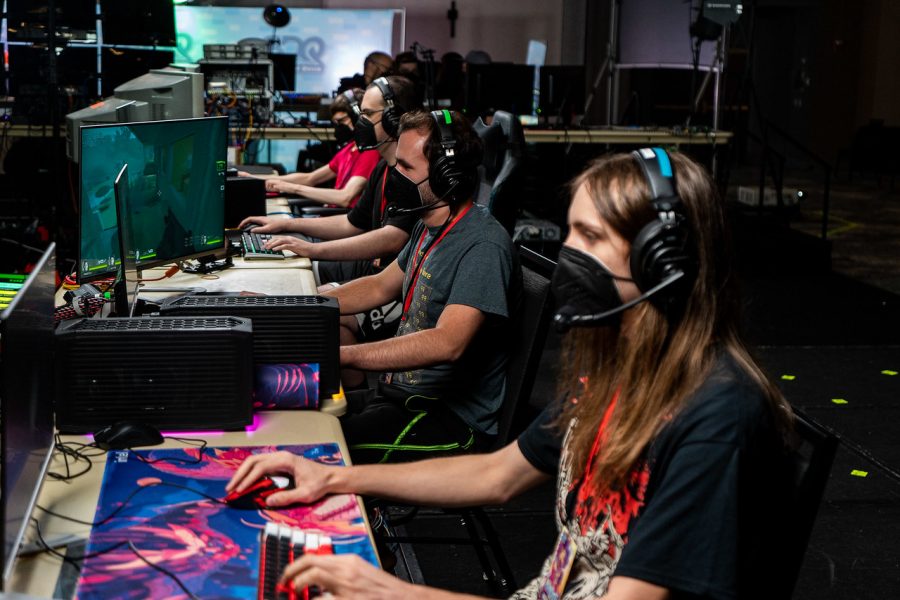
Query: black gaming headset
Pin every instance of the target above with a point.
(390, 117)
(350, 95)
(662, 250)
(452, 178)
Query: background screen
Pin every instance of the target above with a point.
(328, 44)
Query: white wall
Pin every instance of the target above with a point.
(500, 27)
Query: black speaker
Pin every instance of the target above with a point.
(286, 329)
(173, 373)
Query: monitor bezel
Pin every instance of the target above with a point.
(128, 279)
(112, 273)
(47, 260)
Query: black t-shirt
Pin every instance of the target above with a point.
(368, 214)
(703, 509)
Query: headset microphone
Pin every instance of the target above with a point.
(394, 211)
(564, 320)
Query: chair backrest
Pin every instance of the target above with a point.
(502, 171)
(531, 322)
(811, 461)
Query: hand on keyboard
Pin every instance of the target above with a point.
(346, 576)
(254, 246)
(295, 245)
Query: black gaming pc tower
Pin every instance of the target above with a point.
(177, 373)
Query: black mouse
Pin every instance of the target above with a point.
(254, 497)
(127, 434)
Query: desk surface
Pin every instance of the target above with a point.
(617, 135)
(291, 276)
(37, 575)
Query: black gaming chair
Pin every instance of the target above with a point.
(502, 171)
(811, 462)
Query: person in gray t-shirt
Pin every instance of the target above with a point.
(444, 373)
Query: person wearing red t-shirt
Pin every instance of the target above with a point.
(350, 168)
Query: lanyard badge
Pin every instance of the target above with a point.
(551, 588)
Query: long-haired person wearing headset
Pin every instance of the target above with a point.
(669, 445)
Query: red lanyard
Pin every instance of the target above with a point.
(587, 480)
(417, 267)
(383, 198)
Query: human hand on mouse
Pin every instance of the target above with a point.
(311, 479)
(264, 224)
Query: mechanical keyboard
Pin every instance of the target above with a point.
(253, 247)
(279, 546)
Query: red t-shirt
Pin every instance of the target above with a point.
(350, 162)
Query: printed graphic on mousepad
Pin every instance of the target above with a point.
(286, 386)
(212, 548)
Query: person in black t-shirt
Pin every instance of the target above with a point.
(364, 240)
(359, 242)
(669, 445)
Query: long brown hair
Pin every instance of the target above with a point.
(658, 363)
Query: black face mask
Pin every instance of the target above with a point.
(582, 285)
(364, 135)
(401, 191)
(343, 134)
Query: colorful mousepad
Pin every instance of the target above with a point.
(213, 549)
(283, 386)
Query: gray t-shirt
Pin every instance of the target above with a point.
(474, 265)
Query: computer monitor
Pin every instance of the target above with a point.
(121, 65)
(171, 93)
(176, 192)
(26, 402)
(161, 94)
(499, 86)
(138, 22)
(128, 278)
(562, 90)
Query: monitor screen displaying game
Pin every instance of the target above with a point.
(176, 190)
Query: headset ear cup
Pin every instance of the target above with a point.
(449, 181)
(658, 252)
(439, 177)
(390, 121)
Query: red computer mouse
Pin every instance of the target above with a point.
(254, 497)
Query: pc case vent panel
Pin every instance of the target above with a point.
(170, 373)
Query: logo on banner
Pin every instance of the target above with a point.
(309, 52)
